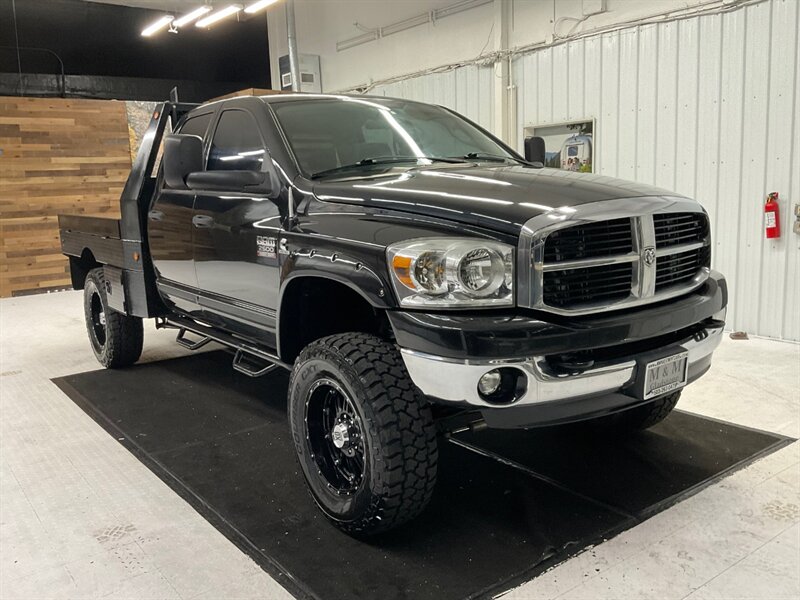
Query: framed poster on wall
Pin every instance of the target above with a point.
(569, 146)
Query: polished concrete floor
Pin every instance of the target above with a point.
(80, 517)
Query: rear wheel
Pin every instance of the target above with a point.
(364, 436)
(116, 339)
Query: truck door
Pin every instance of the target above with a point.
(236, 236)
(169, 226)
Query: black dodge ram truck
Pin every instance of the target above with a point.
(416, 275)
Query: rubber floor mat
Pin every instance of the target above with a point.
(508, 504)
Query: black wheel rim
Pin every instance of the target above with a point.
(334, 435)
(98, 316)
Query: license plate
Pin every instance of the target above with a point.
(665, 375)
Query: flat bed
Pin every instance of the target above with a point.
(101, 234)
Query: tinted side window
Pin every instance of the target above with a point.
(237, 144)
(197, 125)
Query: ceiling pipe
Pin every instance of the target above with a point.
(432, 16)
(62, 79)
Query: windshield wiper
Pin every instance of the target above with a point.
(384, 160)
(495, 158)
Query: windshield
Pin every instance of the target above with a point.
(331, 133)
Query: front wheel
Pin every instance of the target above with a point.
(644, 417)
(364, 436)
(116, 339)
(637, 418)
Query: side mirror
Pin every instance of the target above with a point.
(183, 154)
(231, 181)
(535, 150)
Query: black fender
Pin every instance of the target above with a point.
(364, 271)
(328, 262)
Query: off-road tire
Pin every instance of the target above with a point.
(638, 418)
(120, 342)
(644, 417)
(398, 432)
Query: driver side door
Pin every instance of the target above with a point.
(170, 233)
(236, 235)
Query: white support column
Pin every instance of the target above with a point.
(502, 79)
(276, 34)
(291, 39)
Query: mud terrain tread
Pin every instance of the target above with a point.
(124, 334)
(645, 417)
(403, 423)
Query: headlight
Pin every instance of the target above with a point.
(452, 272)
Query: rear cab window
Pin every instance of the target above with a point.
(197, 125)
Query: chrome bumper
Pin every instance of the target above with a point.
(457, 381)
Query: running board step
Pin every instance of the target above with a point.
(187, 343)
(249, 358)
(251, 365)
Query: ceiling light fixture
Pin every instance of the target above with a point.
(157, 26)
(189, 17)
(219, 15)
(257, 6)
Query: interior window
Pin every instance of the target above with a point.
(197, 125)
(237, 145)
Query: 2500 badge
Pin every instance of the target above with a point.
(266, 247)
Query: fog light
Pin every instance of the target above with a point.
(489, 383)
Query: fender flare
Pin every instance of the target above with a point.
(353, 275)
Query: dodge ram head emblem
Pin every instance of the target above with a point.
(649, 256)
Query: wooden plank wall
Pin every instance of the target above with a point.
(68, 156)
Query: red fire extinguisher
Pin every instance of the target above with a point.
(772, 216)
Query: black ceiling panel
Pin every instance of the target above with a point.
(105, 40)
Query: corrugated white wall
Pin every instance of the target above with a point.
(707, 106)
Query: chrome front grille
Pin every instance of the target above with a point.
(567, 287)
(592, 240)
(675, 229)
(681, 267)
(592, 259)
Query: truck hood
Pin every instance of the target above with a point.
(495, 197)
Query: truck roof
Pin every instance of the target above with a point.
(302, 96)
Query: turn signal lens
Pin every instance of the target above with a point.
(402, 270)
